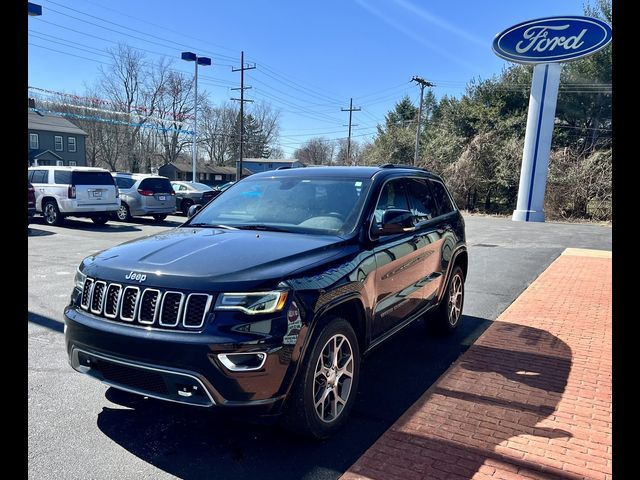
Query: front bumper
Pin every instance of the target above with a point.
(179, 366)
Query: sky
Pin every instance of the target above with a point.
(311, 57)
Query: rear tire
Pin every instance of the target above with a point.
(184, 206)
(100, 219)
(160, 218)
(448, 316)
(325, 389)
(123, 213)
(51, 213)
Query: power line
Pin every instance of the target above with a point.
(181, 45)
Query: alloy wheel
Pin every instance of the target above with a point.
(333, 378)
(455, 300)
(50, 213)
(122, 213)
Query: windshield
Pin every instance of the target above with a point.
(297, 204)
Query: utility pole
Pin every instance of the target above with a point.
(350, 110)
(423, 83)
(242, 88)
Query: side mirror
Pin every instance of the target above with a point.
(193, 209)
(396, 220)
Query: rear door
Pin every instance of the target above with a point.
(93, 187)
(157, 192)
(429, 236)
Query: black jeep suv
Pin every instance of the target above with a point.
(270, 296)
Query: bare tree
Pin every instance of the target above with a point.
(316, 151)
(126, 83)
(217, 131)
(355, 153)
(174, 108)
(268, 121)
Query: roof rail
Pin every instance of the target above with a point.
(396, 165)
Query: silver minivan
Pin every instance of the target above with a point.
(144, 195)
(74, 192)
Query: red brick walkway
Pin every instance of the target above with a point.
(531, 398)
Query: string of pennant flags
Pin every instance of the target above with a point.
(111, 121)
(112, 112)
(99, 101)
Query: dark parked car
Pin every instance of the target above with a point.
(269, 297)
(31, 202)
(191, 193)
(221, 188)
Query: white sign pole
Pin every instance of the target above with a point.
(537, 143)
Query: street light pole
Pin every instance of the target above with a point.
(194, 147)
(192, 57)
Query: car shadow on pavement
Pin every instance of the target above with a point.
(88, 225)
(191, 442)
(50, 323)
(36, 232)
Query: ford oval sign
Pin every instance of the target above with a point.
(552, 39)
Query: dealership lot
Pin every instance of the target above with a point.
(79, 428)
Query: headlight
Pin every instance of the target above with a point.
(254, 302)
(79, 279)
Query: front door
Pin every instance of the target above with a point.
(399, 260)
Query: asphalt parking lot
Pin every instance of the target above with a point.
(79, 428)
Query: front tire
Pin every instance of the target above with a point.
(51, 213)
(184, 206)
(325, 390)
(447, 317)
(160, 217)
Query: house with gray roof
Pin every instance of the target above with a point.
(205, 173)
(55, 140)
(256, 165)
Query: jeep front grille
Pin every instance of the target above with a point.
(145, 306)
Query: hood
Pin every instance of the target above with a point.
(206, 258)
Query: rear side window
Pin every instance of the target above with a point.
(123, 182)
(92, 178)
(156, 185)
(62, 177)
(442, 197)
(40, 176)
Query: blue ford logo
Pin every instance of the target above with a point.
(552, 39)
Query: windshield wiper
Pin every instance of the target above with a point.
(211, 225)
(267, 228)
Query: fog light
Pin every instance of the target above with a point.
(243, 362)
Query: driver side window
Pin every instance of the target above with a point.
(392, 196)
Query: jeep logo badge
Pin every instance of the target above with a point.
(136, 277)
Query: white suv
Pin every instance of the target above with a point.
(74, 191)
